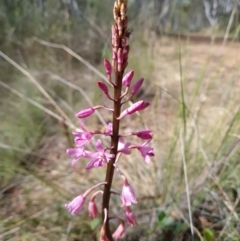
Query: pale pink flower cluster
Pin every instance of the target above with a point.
(103, 154)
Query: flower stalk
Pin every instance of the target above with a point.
(110, 155)
(114, 144)
(119, 40)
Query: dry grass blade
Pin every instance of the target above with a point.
(186, 183)
(229, 216)
(49, 112)
(17, 225)
(213, 176)
(7, 147)
(68, 50)
(226, 199)
(229, 24)
(68, 83)
(186, 221)
(35, 82)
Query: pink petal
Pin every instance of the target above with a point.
(95, 162)
(130, 217)
(99, 146)
(74, 151)
(147, 159)
(128, 195)
(109, 156)
(82, 126)
(119, 231)
(75, 206)
(80, 142)
(124, 147)
(108, 129)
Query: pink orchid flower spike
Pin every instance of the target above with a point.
(97, 159)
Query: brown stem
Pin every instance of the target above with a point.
(114, 144)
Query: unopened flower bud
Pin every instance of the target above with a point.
(123, 11)
(145, 135)
(108, 67)
(85, 113)
(114, 30)
(120, 56)
(115, 11)
(114, 58)
(92, 209)
(128, 78)
(140, 105)
(119, 2)
(115, 50)
(130, 217)
(103, 87)
(120, 26)
(143, 106)
(115, 42)
(137, 86)
(120, 59)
